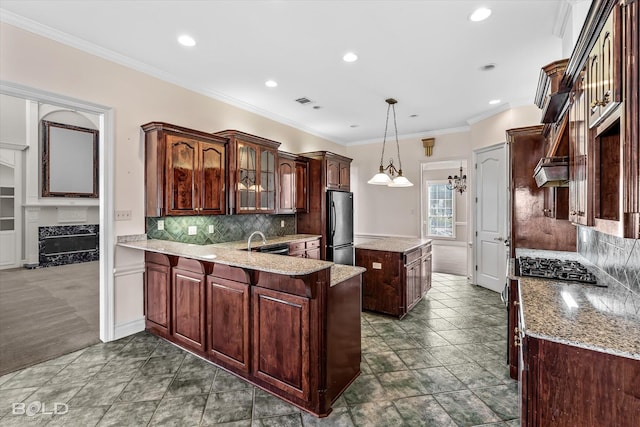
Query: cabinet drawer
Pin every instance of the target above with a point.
(313, 244)
(412, 256)
(426, 250)
(296, 247)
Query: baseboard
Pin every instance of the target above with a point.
(129, 328)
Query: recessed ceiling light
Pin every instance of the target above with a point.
(494, 102)
(480, 14)
(186, 40)
(350, 57)
(271, 83)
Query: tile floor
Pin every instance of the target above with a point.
(443, 365)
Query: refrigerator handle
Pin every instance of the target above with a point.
(333, 219)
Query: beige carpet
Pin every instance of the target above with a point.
(47, 312)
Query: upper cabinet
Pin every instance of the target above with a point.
(286, 182)
(302, 184)
(252, 174)
(337, 169)
(184, 171)
(601, 78)
(604, 71)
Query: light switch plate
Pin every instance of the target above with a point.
(161, 224)
(192, 230)
(211, 228)
(282, 223)
(376, 266)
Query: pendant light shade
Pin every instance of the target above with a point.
(389, 175)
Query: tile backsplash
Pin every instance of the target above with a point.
(226, 228)
(618, 257)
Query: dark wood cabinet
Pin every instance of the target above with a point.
(253, 172)
(580, 193)
(394, 281)
(185, 171)
(530, 227)
(188, 303)
(604, 71)
(281, 341)
(287, 182)
(228, 314)
(323, 167)
(157, 292)
(307, 249)
(513, 338)
(302, 185)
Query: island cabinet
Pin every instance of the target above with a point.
(228, 313)
(253, 164)
(185, 171)
(398, 275)
(157, 292)
(188, 302)
(295, 335)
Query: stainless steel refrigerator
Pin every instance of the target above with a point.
(340, 227)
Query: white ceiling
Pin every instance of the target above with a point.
(426, 54)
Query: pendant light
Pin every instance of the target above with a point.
(389, 175)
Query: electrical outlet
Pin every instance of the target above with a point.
(192, 230)
(161, 224)
(282, 223)
(376, 266)
(123, 215)
(211, 229)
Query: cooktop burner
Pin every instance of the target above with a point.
(549, 268)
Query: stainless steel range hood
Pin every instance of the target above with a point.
(552, 172)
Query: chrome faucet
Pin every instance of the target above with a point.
(264, 239)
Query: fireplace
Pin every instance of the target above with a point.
(68, 244)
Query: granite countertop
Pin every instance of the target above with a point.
(601, 321)
(257, 241)
(393, 244)
(231, 253)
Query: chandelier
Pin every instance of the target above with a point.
(457, 183)
(389, 175)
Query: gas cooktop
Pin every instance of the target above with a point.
(549, 268)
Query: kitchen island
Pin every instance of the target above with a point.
(288, 325)
(398, 274)
(575, 348)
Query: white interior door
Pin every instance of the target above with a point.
(10, 208)
(491, 218)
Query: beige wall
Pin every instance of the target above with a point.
(136, 98)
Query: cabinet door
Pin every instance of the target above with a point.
(512, 329)
(579, 196)
(333, 174)
(267, 180)
(426, 274)
(302, 185)
(413, 284)
(182, 167)
(281, 351)
(228, 322)
(157, 282)
(247, 179)
(212, 175)
(593, 86)
(188, 314)
(287, 186)
(345, 176)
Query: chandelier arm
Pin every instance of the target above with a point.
(395, 125)
(384, 140)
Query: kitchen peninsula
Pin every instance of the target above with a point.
(288, 325)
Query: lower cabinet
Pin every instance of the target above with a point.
(308, 249)
(394, 281)
(157, 292)
(188, 303)
(281, 341)
(296, 337)
(228, 314)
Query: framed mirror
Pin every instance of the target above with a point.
(69, 161)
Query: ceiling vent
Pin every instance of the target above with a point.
(303, 100)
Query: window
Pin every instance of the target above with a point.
(441, 210)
